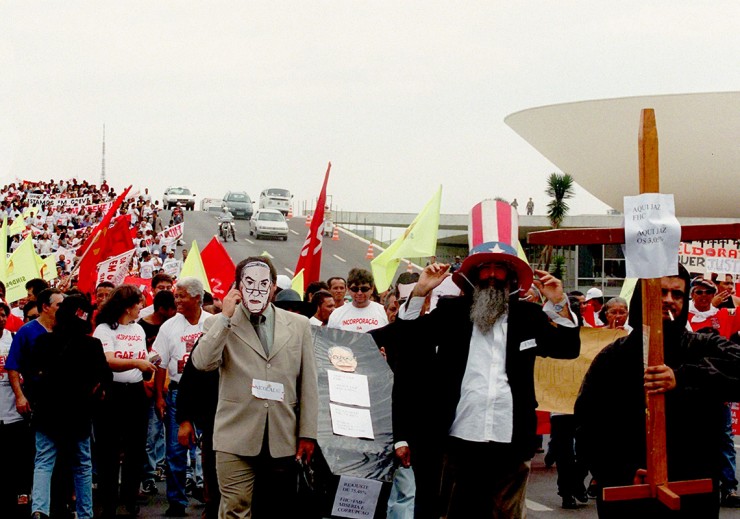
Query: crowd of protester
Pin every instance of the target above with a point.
(102, 396)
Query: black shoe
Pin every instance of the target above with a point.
(569, 503)
(39, 515)
(197, 493)
(730, 499)
(549, 460)
(582, 496)
(176, 510)
(190, 486)
(149, 488)
(132, 510)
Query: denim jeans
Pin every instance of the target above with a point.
(177, 455)
(401, 499)
(46, 454)
(155, 445)
(195, 467)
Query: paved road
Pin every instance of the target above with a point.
(338, 258)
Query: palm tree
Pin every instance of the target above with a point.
(560, 188)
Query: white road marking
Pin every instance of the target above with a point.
(294, 232)
(340, 259)
(249, 241)
(536, 507)
(289, 271)
(737, 447)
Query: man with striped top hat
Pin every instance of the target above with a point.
(478, 352)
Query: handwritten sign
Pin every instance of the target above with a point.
(356, 497)
(350, 421)
(348, 388)
(652, 235)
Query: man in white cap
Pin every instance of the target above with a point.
(593, 305)
(474, 356)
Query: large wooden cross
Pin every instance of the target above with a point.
(656, 484)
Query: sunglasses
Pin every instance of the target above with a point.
(703, 292)
(364, 290)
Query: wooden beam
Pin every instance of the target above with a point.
(598, 236)
(626, 493)
(668, 497)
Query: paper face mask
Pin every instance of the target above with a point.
(255, 287)
(342, 358)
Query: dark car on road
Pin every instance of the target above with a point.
(239, 204)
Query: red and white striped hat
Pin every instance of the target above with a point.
(492, 235)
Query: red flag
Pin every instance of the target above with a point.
(219, 266)
(110, 242)
(104, 223)
(310, 258)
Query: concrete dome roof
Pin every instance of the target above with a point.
(596, 142)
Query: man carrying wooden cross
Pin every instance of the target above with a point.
(700, 373)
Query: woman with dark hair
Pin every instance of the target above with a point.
(122, 424)
(68, 370)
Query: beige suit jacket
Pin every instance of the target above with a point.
(236, 350)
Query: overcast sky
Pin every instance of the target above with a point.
(399, 96)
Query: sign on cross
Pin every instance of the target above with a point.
(656, 484)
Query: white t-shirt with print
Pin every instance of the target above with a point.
(353, 319)
(8, 412)
(175, 341)
(128, 341)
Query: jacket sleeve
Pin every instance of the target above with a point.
(556, 341)
(309, 396)
(714, 367)
(209, 353)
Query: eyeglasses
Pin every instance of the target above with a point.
(703, 292)
(363, 289)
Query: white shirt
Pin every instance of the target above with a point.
(128, 341)
(349, 317)
(175, 341)
(315, 322)
(8, 412)
(146, 269)
(485, 411)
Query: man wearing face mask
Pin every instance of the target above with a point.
(268, 396)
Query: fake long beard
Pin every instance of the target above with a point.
(489, 304)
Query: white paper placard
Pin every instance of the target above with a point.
(356, 497)
(266, 390)
(350, 421)
(652, 236)
(348, 388)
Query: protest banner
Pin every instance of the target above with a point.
(557, 381)
(172, 233)
(115, 269)
(710, 257)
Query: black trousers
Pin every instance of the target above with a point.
(16, 475)
(571, 474)
(120, 430)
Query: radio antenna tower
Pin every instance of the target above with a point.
(102, 171)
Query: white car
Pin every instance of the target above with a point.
(268, 222)
(173, 195)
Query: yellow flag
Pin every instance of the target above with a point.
(193, 267)
(418, 240)
(47, 267)
(17, 227)
(628, 288)
(21, 268)
(4, 244)
(297, 283)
